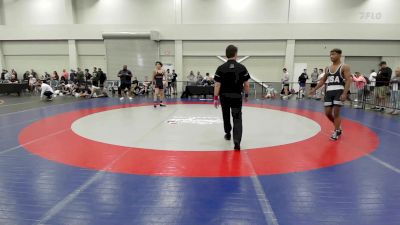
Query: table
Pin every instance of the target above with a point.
(198, 90)
(13, 88)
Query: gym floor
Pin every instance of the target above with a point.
(102, 161)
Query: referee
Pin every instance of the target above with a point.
(230, 79)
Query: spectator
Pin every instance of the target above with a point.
(7, 76)
(65, 75)
(302, 82)
(174, 86)
(25, 77)
(3, 74)
(360, 83)
(208, 80)
(80, 76)
(199, 77)
(14, 79)
(72, 76)
(47, 76)
(55, 76)
(88, 76)
(102, 77)
(382, 85)
(320, 92)
(191, 76)
(285, 82)
(13, 72)
(32, 83)
(34, 74)
(395, 93)
(314, 79)
(372, 79)
(168, 76)
(46, 90)
(94, 73)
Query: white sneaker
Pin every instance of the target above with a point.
(121, 99)
(130, 98)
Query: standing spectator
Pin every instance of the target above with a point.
(168, 76)
(382, 85)
(72, 76)
(372, 79)
(285, 83)
(395, 93)
(94, 73)
(80, 76)
(126, 76)
(314, 80)
(302, 82)
(174, 76)
(102, 77)
(320, 92)
(88, 76)
(360, 82)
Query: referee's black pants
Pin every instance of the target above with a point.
(232, 103)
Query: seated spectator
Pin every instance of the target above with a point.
(14, 79)
(26, 76)
(32, 83)
(207, 81)
(191, 76)
(47, 76)
(13, 72)
(46, 90)
(55, 76)
(34, 74)
(3, 74)
(65, 75)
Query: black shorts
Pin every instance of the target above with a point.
(313, 85)
(125, 85)
(332, 98)
(159, 86)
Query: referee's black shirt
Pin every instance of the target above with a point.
(231, 75)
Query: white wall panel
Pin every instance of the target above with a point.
(35, 47)
(90, 61)
(91, 47)
(39, 63)
(345, 11)
(267, 69)
(198, 63)
(245, 47)
(124, 11)
(22, 12)
(234, 11)
(350, 48)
